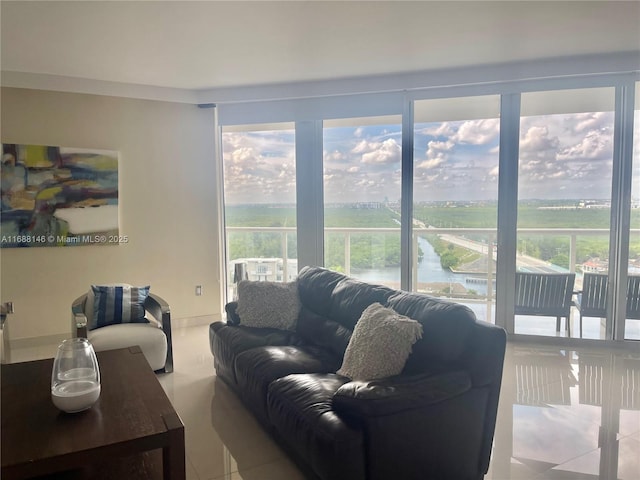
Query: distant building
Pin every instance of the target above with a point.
(595, 265)
(367, 205)
(266, 269)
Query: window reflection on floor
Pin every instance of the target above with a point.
(568, 414)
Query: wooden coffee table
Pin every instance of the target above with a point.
(131, 432)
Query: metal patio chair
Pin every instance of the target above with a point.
(545, 294)
(592, 301)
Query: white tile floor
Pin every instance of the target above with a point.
(223, 441)
(555, 405)
(567, 414)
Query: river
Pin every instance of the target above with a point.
(429, 270)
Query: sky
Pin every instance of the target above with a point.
(562, 156)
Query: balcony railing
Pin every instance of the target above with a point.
(480, 240)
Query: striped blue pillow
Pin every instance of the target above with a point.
(118, 304)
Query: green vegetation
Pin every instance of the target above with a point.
(368, 250)
(530, 215)
(459, 216)
(260, 216)
(536, 214)
(346, 217)
(451, 256)
(259, 244)
(383, 249)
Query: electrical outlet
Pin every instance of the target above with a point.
(198, 290)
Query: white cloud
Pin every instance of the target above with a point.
(385, 152)
(362, 146)
(444, 129)
(536, 140)
(430, 164)
(258, 167)
(567, 154)
(242, 155)
(583, 122)
(335, 156)
(594, 145)
(478, 132)
(437, 154)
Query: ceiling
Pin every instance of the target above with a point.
(212, 44)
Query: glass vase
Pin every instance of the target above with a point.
(75, 379)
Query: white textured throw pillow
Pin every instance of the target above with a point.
(268, 304)
(380, 344)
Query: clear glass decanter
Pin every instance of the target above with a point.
(75, 379)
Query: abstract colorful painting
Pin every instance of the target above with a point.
(57, 196)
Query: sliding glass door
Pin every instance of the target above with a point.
(455, 200)
(632, 324)
(362, 189)
(260, 203)
(564, 210)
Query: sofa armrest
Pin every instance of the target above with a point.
(232, 315)
(420, 426)
(398, 394)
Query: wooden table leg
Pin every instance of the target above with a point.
(173, 457)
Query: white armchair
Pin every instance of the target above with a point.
(154, 338)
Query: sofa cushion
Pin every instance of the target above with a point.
(447, 328)
(227, 341)
(255, 369)
(268, 304)
(380, 344)
(300, 408)
(323, 332)
(351, 297)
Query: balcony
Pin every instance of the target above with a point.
(468, 285)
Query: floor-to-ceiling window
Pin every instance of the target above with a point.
(355, 178)
(564, 202)
(361, 169)
(455, 199)
(632, 325)
(260, 202)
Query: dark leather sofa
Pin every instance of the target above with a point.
(433, 421)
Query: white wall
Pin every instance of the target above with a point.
(167, 207)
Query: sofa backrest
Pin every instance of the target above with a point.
(446, 329)
(332, 303)
(351, 297)
(315, 286)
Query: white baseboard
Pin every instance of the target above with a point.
(43, 341)
(194, 321)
